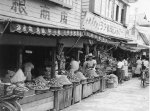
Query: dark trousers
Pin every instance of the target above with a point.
(119, 74)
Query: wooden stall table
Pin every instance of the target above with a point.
(96, 84)
(38, 102)
(87, 89)
(67, 95)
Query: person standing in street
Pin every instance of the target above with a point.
(138, 67)
(119, 70)
(125, 69)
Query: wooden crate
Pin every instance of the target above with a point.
(96, 86)
(87, 89)
(41, 102)
(63, 98)
(84, 90)
(68, 96)
(102, 84)
(77, 93)
(59, 99)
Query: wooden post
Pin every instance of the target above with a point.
(53, 62)
(20, 57)
(87, 49)
(95, 51)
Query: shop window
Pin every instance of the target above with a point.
(103, 9)
(122, 16)
(117, 12)
(64, 3)
(95, 6)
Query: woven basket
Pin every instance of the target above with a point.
(1, 90)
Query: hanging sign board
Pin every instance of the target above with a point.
(103, 26)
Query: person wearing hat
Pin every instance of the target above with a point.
(90, 63)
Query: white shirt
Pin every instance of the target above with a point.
(75, 65)
(120, 64)
(139, 62)
(90, 63)
(146, 63)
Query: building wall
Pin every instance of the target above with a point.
(105, 8)
(100, 16)
(43, 11)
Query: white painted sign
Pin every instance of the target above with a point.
(43, 11)
(100, 25)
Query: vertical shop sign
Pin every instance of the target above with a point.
(63, 17)
(45, 13)
(19, 6)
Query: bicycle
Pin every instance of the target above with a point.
(10, 103)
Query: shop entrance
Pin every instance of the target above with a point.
(40, 57)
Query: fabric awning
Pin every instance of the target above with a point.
(129, 49)
(48, 31)
(23, 28)
(137, 46)
(96, 36)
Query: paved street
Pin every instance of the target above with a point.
(126, 97)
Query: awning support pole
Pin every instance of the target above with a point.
(53, 63)
(5, 28)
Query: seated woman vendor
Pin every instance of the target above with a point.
(90, 63)
(27, 70)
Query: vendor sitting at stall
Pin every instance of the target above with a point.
(27, 70)
(89, 64)
(74, 65)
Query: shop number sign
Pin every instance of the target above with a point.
(103, 26)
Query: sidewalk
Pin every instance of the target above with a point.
(128, 96)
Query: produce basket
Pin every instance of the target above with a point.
(41, 91)
(90, 80)
(67, 86)
(1, 90)
(55, 88)
(83, 81)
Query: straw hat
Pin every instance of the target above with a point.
(90, 55)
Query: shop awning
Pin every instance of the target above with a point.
(131, 49)
(119, 38)
(48, 31)
(98, 37)
(137, 46)
(23, 28)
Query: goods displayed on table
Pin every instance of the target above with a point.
(91, 74)
(63, 80)
(73, 78)
(18, 77)
(35, 86)
(80, 76)
(38, 85)
(112, 79)
(54, 83)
